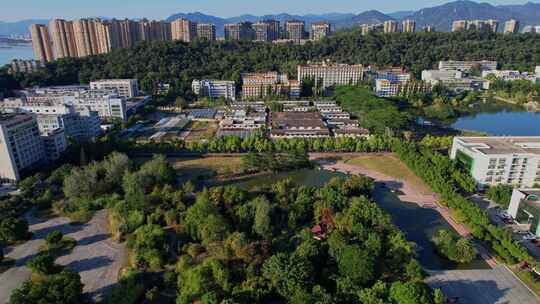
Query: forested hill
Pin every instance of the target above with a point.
(179, 63)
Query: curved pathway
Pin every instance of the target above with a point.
(97, 258)
(497, 285)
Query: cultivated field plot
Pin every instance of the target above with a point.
(200, 130)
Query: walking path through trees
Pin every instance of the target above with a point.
(496, 285)
(97, 258)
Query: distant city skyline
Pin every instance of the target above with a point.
(161, 9)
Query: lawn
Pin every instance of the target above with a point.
(389, 165)
(206, 167)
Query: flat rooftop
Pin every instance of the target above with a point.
(503, 144)
(296, 120)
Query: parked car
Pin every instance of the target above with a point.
(529, 237)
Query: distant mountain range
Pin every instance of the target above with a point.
(439, 16)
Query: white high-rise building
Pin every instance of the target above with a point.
(127, 88)
(214, 88)
(21, 146)
(500, 160)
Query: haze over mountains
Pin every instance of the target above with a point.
(439, 16)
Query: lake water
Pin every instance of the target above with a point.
(9, 52)
(419, 224)
(505, 122)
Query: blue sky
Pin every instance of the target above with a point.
(11, 10)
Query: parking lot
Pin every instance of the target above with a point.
(499, 217)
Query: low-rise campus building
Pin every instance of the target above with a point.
(127, 88)
(297, 125)
(262, 85)
(500, 160)
(214, 88)
(525, 209)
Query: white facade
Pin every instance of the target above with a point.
(54, 143)
(500, 160)
(107, 103)
(327, 75)
(79, 123)
(509, 75)
(20, 145)
(454, 80)
(127, 88)
(214, 88)
(467, 65)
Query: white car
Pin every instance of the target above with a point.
(504, 215)
(529, 237)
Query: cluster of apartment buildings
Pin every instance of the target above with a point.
(392, 26)
(490, 24)
(91, 36)
(274, 84)
(25, 66)
(296, 119)
(510, 75)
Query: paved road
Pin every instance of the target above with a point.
(483, 286)
(96, 257)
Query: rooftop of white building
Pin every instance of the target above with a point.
(503, 145)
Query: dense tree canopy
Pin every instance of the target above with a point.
(178, 63)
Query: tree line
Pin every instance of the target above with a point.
(178, 63)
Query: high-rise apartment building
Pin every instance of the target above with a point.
(409, 26)
(459, 25)
(214, 88)
(41, 42)
(429, 28)
(320, 30)
(479, 25)
(326, 75)
(154, 30)
(266, 30)
(127, 88)
(390, 26)
(295, 30)
(129, 33)
(511, 26)
(21, 146)
(183, 30)
(86, 37)
(206, 31)
(63, 38)
(239, 31)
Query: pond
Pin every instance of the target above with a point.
(419, 224)
(505, 122)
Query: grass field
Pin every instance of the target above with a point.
(206, 167)
(389, 165)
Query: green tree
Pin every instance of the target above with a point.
(43, 264)
(62, 288)
(54, 238)
(410, 293)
